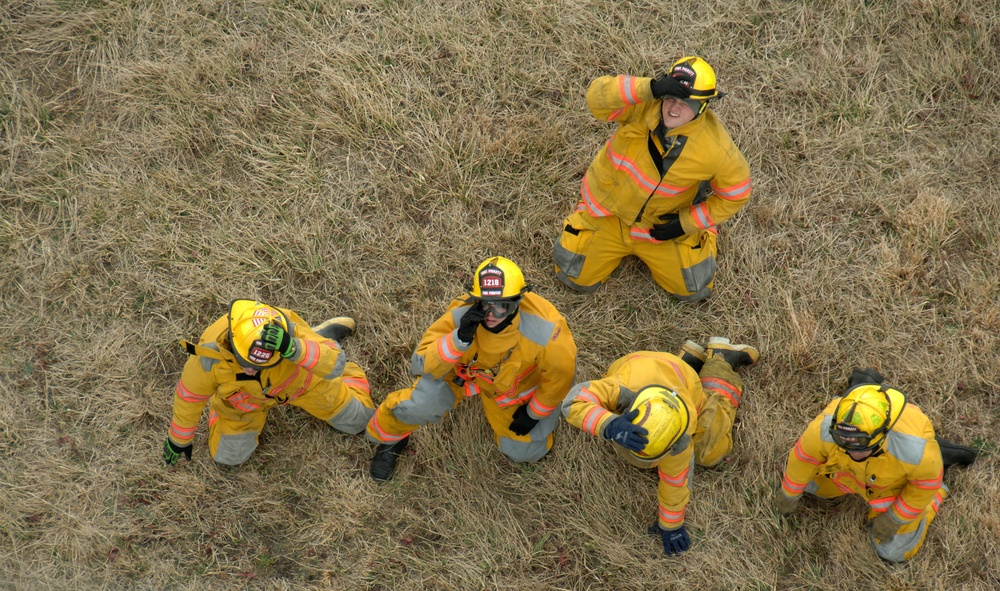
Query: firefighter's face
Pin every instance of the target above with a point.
(675, 112)
(498, 311)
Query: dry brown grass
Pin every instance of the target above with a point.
(163, 158)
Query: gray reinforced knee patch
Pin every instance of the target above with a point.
(233, 450)
(428, 402)
(352, 418)
(534, 450)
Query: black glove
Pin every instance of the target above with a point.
(675, 541)
(669, 230)
(670, 85)
(864, 376)
(622, 431)
(277, 339)
(172, 453)
(522, 423)
(470, 322)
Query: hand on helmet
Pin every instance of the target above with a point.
(522, 423)
(470, 322)
(675, 541)
(621, 430)
(670, 229)
(172, 453)
(276, 338)
(676, 84)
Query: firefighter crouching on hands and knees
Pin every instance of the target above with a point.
(500, 342)
(659, 188)
(255, 357)
(667, 412)
(874, 443)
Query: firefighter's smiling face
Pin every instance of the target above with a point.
(675, 112)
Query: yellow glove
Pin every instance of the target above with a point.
(786, 505)
(884, 527)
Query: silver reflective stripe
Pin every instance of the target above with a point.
(536, 329)
(207, 363)
(905, 448)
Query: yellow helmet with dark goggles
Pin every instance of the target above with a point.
(865, 415)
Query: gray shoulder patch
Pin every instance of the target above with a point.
(207, 363)
(536, 329)
(824, 429)
(906, 448)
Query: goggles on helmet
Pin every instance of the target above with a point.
(851, 438)
(500, 308)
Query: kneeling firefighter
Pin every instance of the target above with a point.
(667, 412)
(499, 342)
(874, 443)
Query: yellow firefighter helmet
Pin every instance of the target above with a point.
(864, 416)
(247, 319)
(701, 75)
(664, 416)
(498, 278)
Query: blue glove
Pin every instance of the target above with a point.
(624, 433)
(675, 541)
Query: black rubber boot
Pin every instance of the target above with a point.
(693, 354)
(384, 462)
(953, 454)
(336, 329)
(735, 355)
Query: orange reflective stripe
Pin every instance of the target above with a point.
(380, 433)
(701, 216)
(540, 409)
(506, 401)
(904, 509)
(802, 455)
(181, 434)
(735, 192)
(793, 488)
(883, 504)
(359, 383)
(310, 354)
(626, 90)
(614, 115)
(586, 395)
(724, 388)
(667, 516)
(677, 370)
(212, 417)
(678, 480)
(629, 167)
(930, 484)
(593, 207)
(242, 401)
(189, 396)
(447, 350)
(593, 418)
(641, 235)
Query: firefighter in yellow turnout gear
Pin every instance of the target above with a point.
(874, 443)
(667, 412)
(257, 357)
(659, 188)
(507, 346)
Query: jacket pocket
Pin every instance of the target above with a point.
(570, 251)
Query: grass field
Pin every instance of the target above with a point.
(159, 159)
